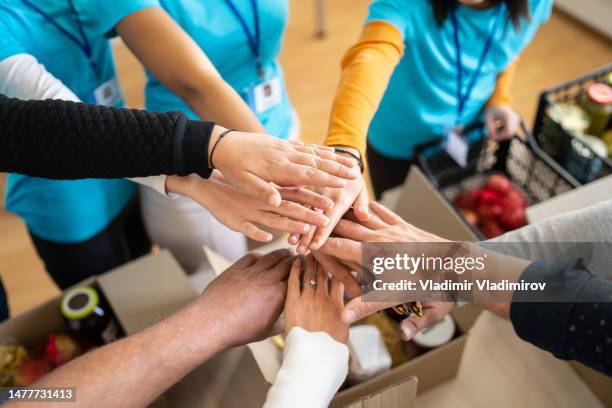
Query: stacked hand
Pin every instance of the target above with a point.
(502, 122)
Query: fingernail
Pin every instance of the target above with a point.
(325, 221)
(351, 316)
(269, 238)
(306, 228)
(407, 331)
(330, 205)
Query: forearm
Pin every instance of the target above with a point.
(134, 371)
(77, 141)
(366, 70)
(502, 94)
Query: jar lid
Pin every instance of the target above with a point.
(600, 93)
(79, 303)
(436, 335)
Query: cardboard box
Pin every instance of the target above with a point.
(259, 367)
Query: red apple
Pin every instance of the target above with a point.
(31, 370)
(491, 229)
(60, 349)
(498, 183)
(515, 199)
(513, 218)
(489, 212)
(470, 216)
(466, 199)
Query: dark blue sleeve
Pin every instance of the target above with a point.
(571, 318)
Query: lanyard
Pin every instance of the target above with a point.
(461, 97)
(83, 43)
(254, 40)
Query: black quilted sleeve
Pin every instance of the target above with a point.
(66, 140)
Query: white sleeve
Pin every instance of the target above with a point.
(314, 367)
(22, 77)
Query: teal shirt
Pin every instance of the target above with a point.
(61, 211)
(421, 99)
(218, 32)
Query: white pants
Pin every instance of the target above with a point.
(183, 226)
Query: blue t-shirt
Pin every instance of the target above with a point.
(62, 211)
(421, 99)
(219, 34)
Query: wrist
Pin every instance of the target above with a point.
(351, 153)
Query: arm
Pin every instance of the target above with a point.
(502, 121)
(132, 372)
(315, 362)
(173, 57)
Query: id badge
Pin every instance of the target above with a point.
(265, 95)
(456, 146)
(108, 94)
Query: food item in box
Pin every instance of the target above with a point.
(495, 208)
(596, 144)
(368, 354)
(31, 370)
(60, 349)
(570, 116)
(436, 335)
(597, 103)
(607, 139)
(12, 355)
(391, 336)
(87, 314)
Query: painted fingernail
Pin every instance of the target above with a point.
(350, 315)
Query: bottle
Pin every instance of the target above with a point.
(598, 105)
(88, 314)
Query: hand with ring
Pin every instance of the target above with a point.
(315, 302)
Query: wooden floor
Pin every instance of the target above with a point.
(498, 369)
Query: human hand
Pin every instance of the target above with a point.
(313, 302)
(345, 272)
(252, 162)
(243, 213)
(247, 298)
(502, 122)
(354, 194)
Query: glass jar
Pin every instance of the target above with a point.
(597, 103)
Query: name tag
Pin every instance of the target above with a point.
(266, 95)
(108, 94)
(456, 147)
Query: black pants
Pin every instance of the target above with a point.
(121, 241)
(386, 172)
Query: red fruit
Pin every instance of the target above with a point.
(513, 218)
(515, 199)
(498, 183)
(489, 212)
(490, 229)
(470, 216)
(466, 199)
(31, 370)
(60, 349)
(486, 196)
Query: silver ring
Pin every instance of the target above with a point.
(312, 283)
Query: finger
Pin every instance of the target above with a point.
(360, 207)
(294, 288)
(343, 249)
(281, 270)
(300, 213)
(414, 324)
(354, 231)
(357, 309)
(386, 215)
(306, 197)
(268, 261)
(305, 240)
(321, 277)
(284, 224)
(293, 239)
(308, 147)
(254, 232)
(309, 280)
(322, 233)
(246, 261)
(259, 189)
(337, 291)
(328, 166)
(338, 271)
(300, 175)
(330, 154)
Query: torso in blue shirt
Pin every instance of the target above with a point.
(61, 211)
(421, 99)
(218, 32)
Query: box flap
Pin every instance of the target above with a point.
(599, 383)
(398, 395)
(146, 291)
(585, 196)
(423, 206)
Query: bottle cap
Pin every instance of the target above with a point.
(79, 303)
(600, 94)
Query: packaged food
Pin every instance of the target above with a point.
(570, 116)
(88, 315)
(597, 103)
(368, 354)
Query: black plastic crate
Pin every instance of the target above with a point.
(520, 159)
(560, 144)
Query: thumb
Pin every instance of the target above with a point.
(357, 309)
(414, 324)
(260, 189)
